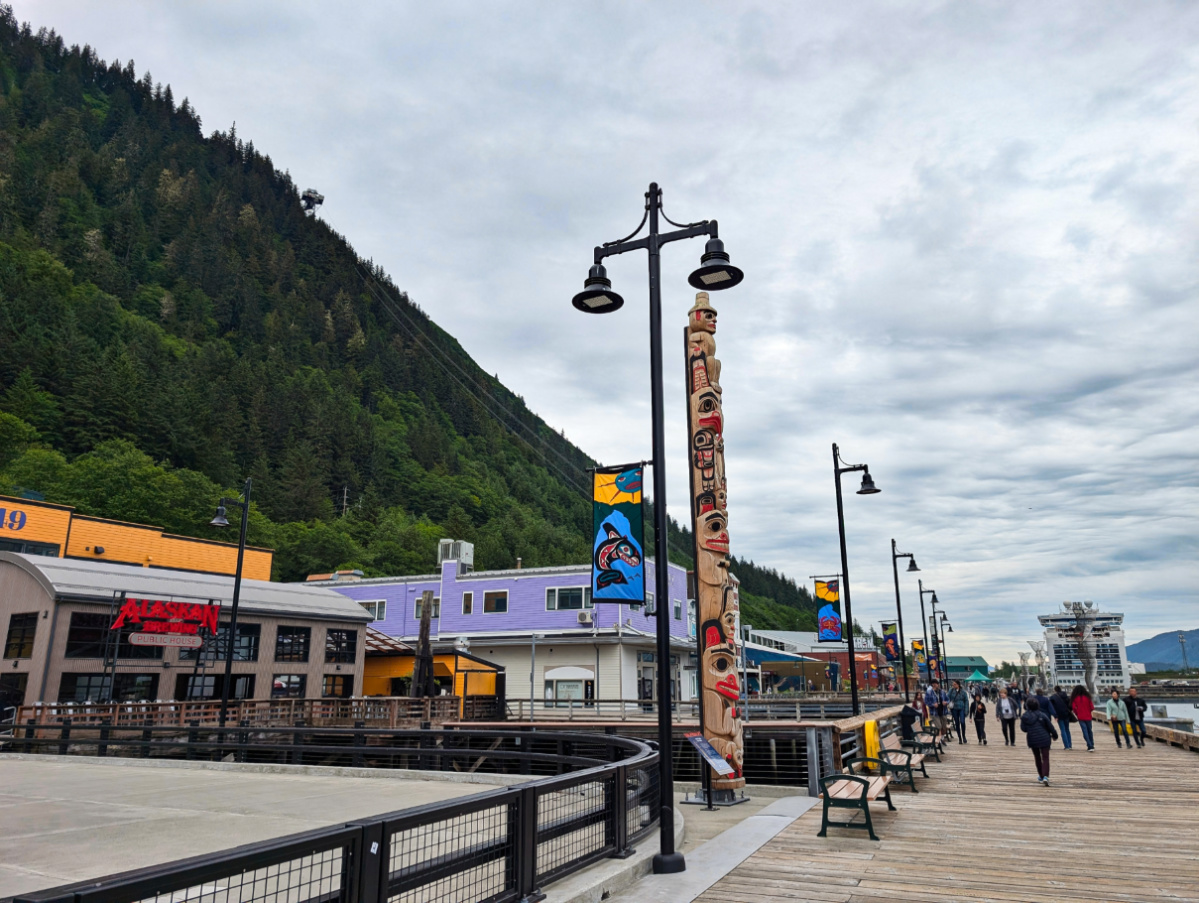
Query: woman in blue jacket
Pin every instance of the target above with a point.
(1041, 734)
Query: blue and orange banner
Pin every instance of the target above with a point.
(617, 550)
(890, 641)
(828, 618)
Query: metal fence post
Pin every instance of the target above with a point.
(30, 730)
(105, 728)
(193, 737)
(356, 758)
(65, 737)
(526, 847)
(617, 802)
(814, 774)
(243, 740)
(297, 741)
(364, 875)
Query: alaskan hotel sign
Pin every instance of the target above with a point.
(162, 623)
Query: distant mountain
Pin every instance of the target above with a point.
(1164, 651)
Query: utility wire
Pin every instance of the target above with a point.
(444, 361)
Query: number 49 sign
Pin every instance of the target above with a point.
(12, 520)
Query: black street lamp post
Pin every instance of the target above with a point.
(946, 627)
(924, 623)
(868, 488)
(714, 274)
(231, 639)
(903, 655)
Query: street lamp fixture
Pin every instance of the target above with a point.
(868, 488)
(924, 624)
(715, 273)
(903, 653)
(220, 520)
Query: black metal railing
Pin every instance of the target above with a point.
(499, 845)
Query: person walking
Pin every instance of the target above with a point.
(1063, 714)
(936, 704)
(959, 702)
(1038, 727)
(1083, 708)
(978, 711)
(1006, 711)
(1043, 701)
(1117, 714)
(1136, 716)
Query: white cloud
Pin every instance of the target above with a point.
(970, 236)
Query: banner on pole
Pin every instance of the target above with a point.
(617, 551)
(890, 641)
(828, 618)
(918, 652)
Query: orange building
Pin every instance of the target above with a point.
(42, 528)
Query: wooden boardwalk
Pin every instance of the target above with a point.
(1115, 825)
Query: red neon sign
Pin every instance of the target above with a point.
(155, 616)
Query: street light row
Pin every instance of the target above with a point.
(940, 627)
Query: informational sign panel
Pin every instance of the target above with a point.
(166, 639)
(709, 754)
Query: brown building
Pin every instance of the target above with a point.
(41, 528)
(57, 617)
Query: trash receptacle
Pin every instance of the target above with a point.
(907, 717)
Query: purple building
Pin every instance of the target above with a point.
(540, 625)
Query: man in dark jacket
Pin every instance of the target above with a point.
(1061, 713)
(1036, 724)
(1042, 700)
(1136, 715)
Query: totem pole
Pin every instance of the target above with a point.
(716, 600)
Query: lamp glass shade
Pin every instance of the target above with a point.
(935, 600)
(715, 272)
(220, 520)
(597, 296)
(912, 566)
(868, 487)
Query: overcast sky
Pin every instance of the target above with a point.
(970, 235)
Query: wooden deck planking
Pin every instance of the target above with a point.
(1114, 825)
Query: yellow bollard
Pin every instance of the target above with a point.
(872, 744)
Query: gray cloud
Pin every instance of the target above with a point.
(969, 231)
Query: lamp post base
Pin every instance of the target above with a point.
(669, 863)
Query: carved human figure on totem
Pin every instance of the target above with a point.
(722, 693)
(701, 343)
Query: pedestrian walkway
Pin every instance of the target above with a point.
(1114, 825)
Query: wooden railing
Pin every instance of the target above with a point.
(1181, 739)
(766, 708)
(373, 711)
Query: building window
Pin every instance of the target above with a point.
(420, 609)
(649, 604)
(288, 686)
(245, 649)
(338, 686)
(200, 686)
(209, 686)
(377, 608)
(291, 644)
(89, 636)
(495, 602)
(95, 687)
(468, 602)
(678, 609)
(21, 629)
(29, 548)
(341, 646)
(12, 689)
(569, 599)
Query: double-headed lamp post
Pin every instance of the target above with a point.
(924, 623)
(715, 273)
(903, 655)
(231, 639)
(868, 488)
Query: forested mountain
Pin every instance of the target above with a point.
(171, 322)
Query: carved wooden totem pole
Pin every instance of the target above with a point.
(716, 594)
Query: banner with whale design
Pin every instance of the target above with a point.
(617, 547)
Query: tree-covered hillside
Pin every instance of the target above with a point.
(171, 322)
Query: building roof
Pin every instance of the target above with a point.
(97, 581)
(966, 661)
(809, 641)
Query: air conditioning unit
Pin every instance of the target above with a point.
(456, 550)
(587, 617)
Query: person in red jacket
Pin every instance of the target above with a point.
(1083, 707)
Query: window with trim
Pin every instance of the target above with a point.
(12, 688)
(420, 608)
(89, 637)
(377, 608)
(21, 629)
(568, 599)
(678, 609)
(288, 686)
(468, 602)
(495, 602)
(649, 604)
(245, 647)
(338, 686)
(292, 643)
(341, 646)
(95, 687)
